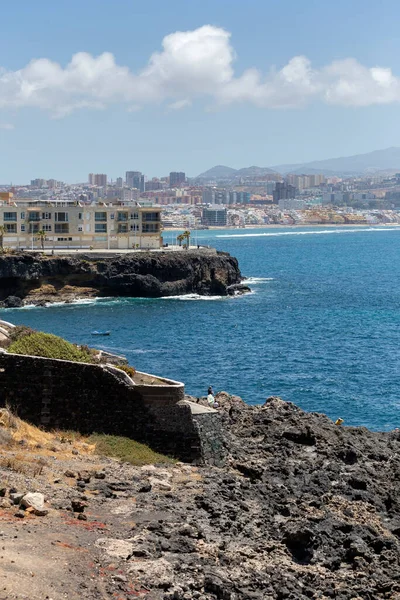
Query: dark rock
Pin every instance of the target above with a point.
(147, 274)
(12, 302)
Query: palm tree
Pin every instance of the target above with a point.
(180, 238)
(186, 236)
(42, 236)
(2, 232)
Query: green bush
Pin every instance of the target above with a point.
(126, 450)
(127, 369)
(48, 345)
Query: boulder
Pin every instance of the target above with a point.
(34, 500)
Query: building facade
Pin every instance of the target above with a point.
(99, 179)
(80, 226)
(135, 179)
(176, 179)
(214, 216)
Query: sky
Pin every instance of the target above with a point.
(110, 86)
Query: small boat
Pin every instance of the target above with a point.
(101, 332)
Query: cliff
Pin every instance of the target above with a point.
(36, 278)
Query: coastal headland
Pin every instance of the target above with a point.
(39, 278)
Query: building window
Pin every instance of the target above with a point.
(150, 228)
(61, 228)
(33, 227)
(34, 216)
(61, 217)
(134, 216)
(46, 227)
(80, 227)
(80, 216)
(46, 215)
(112, 216)
(100, 216)
(122, 228)
(151, 216)
(22, 228)
(100, 228)
(22, 215)
(64, 239)
(122, 216)
(10, 216)
(11, 228)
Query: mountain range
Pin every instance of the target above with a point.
(358, 164)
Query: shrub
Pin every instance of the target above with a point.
(48, 345)
(20, 331)
(127, 369)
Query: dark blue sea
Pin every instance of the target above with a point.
(321, 328)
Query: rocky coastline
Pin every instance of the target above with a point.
(36, 278)
(303, 508)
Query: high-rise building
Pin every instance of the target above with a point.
(215, 215)
(39, 183)
(283, 191)
(119, 182)
(135, 179)
(176, 179)
(99, 179)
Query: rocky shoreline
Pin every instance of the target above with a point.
(35, 278)
(303, 508)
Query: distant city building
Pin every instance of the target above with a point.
(99, 179)
(135, 179)
(283, 191)
(119, 182)
(239, 197)
(176, 179)
(303, 182)
(214, 216)
(68, 225)
(39, 183)
(154, 185)
(292, 204)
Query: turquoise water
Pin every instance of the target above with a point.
(322, 328)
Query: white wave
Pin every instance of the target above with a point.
(255, 280)
(194, 297)
(315, 232)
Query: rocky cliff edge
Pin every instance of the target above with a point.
(36, 278)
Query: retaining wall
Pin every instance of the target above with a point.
(60, 394)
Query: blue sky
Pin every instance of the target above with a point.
(231, 93)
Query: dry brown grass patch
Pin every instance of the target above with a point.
(24, 464)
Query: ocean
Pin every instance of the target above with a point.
(320, 329)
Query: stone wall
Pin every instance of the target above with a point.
(59, 394)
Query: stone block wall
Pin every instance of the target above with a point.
(59, 394)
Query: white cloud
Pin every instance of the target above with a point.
(191, 65)
(179, 104)
(6, 126)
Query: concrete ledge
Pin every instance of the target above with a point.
(198, 409)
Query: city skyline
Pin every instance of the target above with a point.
(209, 83)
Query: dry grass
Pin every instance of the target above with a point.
(14, 431)
(23, 463)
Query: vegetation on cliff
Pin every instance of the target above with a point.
(48, 345)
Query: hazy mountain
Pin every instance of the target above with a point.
(218, 172)
(379, 160)
(254, 172)
(222, 172)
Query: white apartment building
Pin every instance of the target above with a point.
(75, 226)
